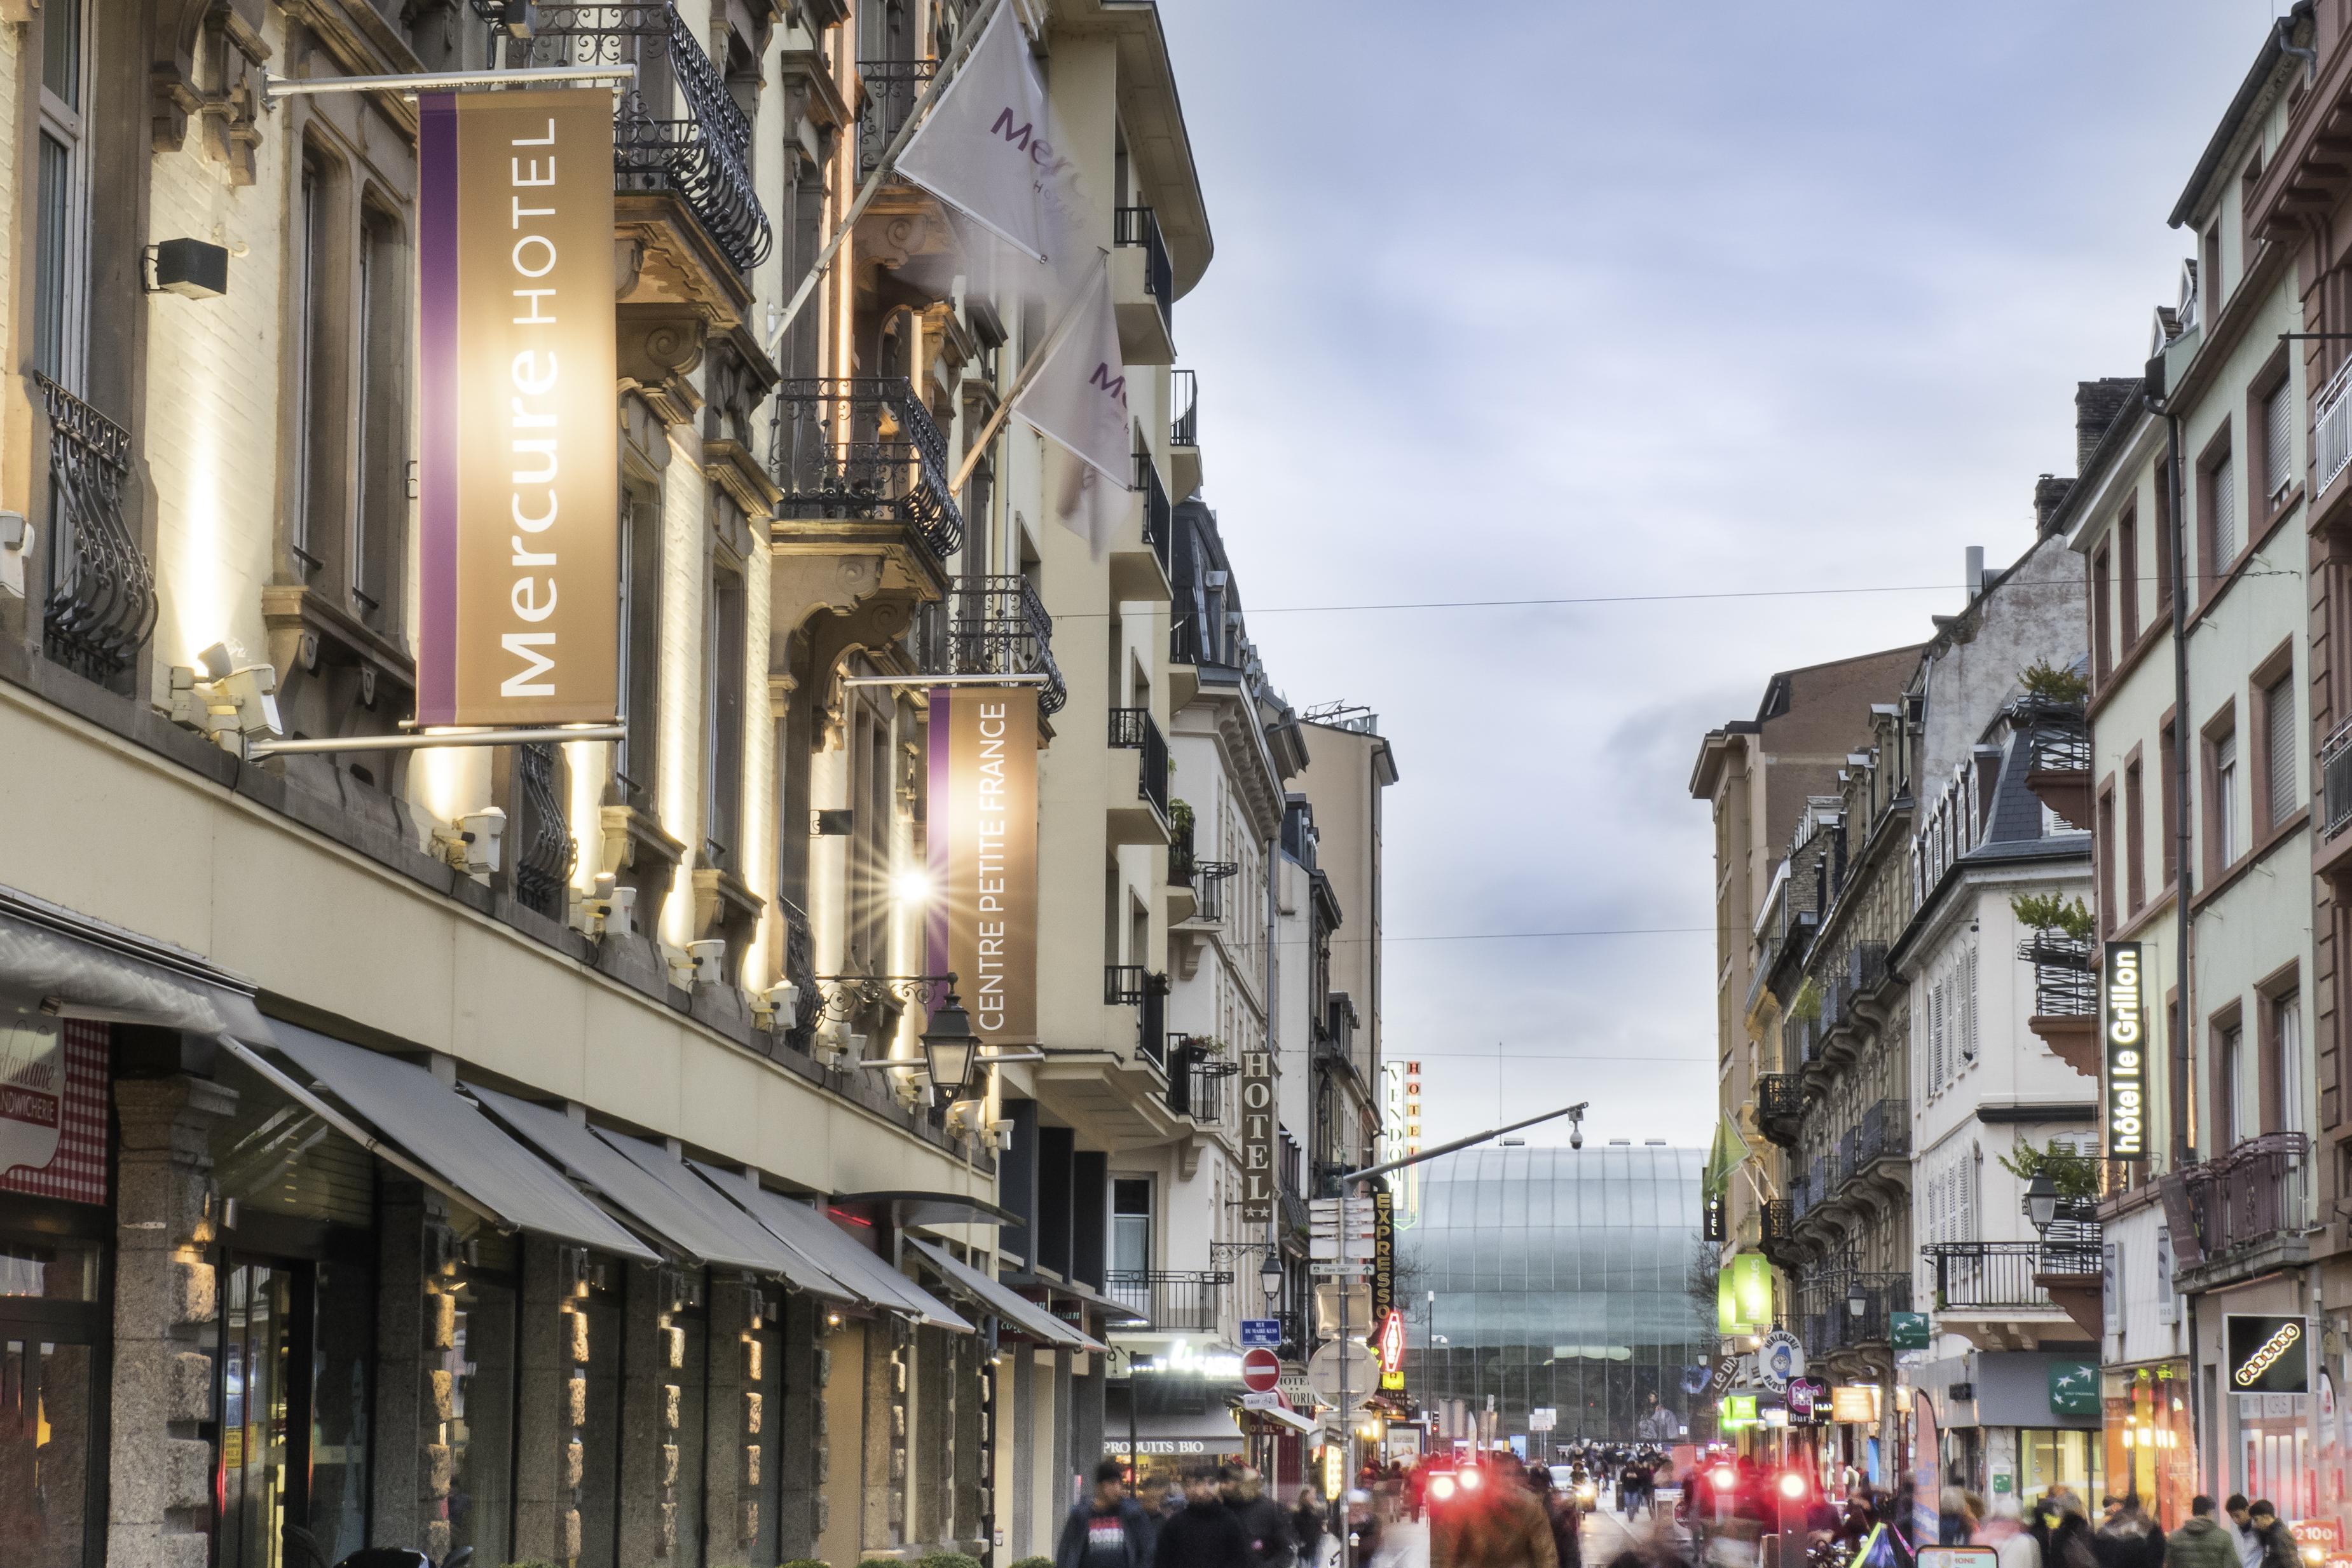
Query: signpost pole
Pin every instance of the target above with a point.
(1347, 1411)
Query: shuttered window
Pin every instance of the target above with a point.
(2278, 427)
(2223, 496)
(1968, 1030)
(2278, 729)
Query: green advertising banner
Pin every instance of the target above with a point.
(1907, 1330)
(1743, 1295)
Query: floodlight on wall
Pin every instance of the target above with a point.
(188, 267)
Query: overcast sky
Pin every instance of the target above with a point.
(1563, 297)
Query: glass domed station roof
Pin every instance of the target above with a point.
(1564, 1278)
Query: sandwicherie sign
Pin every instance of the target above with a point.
(518, 520)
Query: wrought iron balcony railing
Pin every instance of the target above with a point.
(863, 446)
(1184, 637)
(1780, 1101)
(1778, 1221)
(1196, 1082)
(100, 607)
(1124, 985)
(999, 626)
(1159, 517)
(704, 154)
(1884, 1133)
(1184, 393)
(1981, 1276)
(1131, 728)
(799, 969)
(1140, 226)
(2060, 740)
(544, 850)
(1208, 878)
(2248, 1195)
(2331, 429)
(2335, 781)
(892, 89)
(2065, 975)
(1826, 1302)
(1170, 1299)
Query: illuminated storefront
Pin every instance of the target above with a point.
(2150, 1445)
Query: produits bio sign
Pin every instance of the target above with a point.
(2267, 1354)
(519, 524)
(2123, 1029)
(984, 855)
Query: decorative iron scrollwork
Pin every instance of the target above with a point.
(863, 446)
(546, 851)
(101, 602)
(841, 998)
(701, 156)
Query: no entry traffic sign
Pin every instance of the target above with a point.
(1261, 1369)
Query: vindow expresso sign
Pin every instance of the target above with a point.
(2123, 1032)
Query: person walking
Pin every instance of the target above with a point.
(1107, 1529)
(2248, 1540)
(1204, 1533)
(1497, 1525)
(1307, 1527)
(1260, 1517)
(2279, 1548)
(2202, 1541)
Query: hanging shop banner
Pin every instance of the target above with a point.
(1258, 1119)
(518, 475)
(1384, 1249)
(1743, 1299)
(984, 855)
(2267, 1354)
(1390, 1345)
(2123, 1029)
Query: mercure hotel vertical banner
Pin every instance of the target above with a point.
(518, 472)
(984, 855)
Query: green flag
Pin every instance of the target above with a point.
(1729, 1149)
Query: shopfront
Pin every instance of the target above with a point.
(55, 1291)
(2019, 1423)
(2256, 1358)
(2149, 1444)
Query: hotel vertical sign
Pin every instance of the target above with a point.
(2123, 1034)
(984, 855)
(518, 475)
(1258, 1118)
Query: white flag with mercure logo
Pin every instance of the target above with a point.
(985, 148)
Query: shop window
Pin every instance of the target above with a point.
(479, 1431)
(593, 1324)
(292, 1353)
(52, 1340)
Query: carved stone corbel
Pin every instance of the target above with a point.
(659, 347)
(832, 638)
(203, 59)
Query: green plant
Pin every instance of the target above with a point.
(883, 1562)
(1179, 820)
(1210, 1044)
(2075, 1174)
(948, 1559)
(1807, 1003)
(2054, 912)
(2052, 684)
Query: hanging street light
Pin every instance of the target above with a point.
(950, 1051)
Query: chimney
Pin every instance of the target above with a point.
(2049, 494)
(2097, 405)
(1976, 572)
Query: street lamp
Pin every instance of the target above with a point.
(2042, 1201)
(950, 1051)
(1269, 1275)
(1857, 1299)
